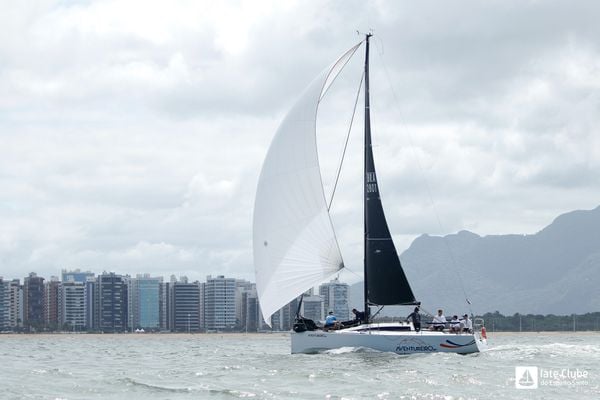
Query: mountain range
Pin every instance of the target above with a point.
(554, 271)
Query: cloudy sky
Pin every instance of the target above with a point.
(132, 132)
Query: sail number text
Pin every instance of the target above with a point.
(371, 185)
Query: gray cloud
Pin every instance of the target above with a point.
(132, 137)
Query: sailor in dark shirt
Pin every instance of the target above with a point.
(416, 319)
(359, 316)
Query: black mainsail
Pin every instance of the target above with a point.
(385, 282)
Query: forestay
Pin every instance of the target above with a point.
(295, 247)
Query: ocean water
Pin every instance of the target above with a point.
(259, 366)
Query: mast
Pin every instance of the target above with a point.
(366, 158)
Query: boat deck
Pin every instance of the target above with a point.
(392, 328)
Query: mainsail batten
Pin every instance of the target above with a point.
(294, 243)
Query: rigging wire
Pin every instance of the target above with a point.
(346, 269)
(339, 170)
(427, 185)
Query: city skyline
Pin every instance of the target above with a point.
(82, 301)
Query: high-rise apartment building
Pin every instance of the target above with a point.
(247, 307)
(73, 306)
(145, 302)
(250, 318)
(186, 306)
(219, 303)
(76, 279)
(284, 318)
(242, 289)
(202, 307)
(33, 307)
(16, 304)
(4, 305)
(92, 304)
(170, 303)
(112, 303)
(335, 298)
(312, 307)
(164, 306)
(52, 303)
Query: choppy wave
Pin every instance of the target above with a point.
(345, 350)
(198, 390)
(551, 350)
(158, 388)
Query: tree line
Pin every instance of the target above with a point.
(496, 322)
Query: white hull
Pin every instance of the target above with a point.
(376, 337)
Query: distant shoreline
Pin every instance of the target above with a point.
(149, 334)
(536, 333)
(259, 334)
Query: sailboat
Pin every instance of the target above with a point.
(295, 245)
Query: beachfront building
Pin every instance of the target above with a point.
(170, 303)
(164, 306)
(4, 305)
(15, 305)
(251, 318)
(219, 303)
(312, 307)
(283, 319)
(73, 315)
(145, 302)
(335, 298)
(242, 289)
(33, 307)
(91, 304)
(247, 307)
(80, 283)
(52, 303)
(185, 305)
(112, 303)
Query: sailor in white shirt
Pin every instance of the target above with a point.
(455, 325)
(467, 324)
(439, 321)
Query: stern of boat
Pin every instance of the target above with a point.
(480, 334)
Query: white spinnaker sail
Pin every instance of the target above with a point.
(293, 238)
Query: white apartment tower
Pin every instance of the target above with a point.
(72, 303)
(335, 298)
(220, 303)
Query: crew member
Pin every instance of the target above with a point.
(416, 319)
